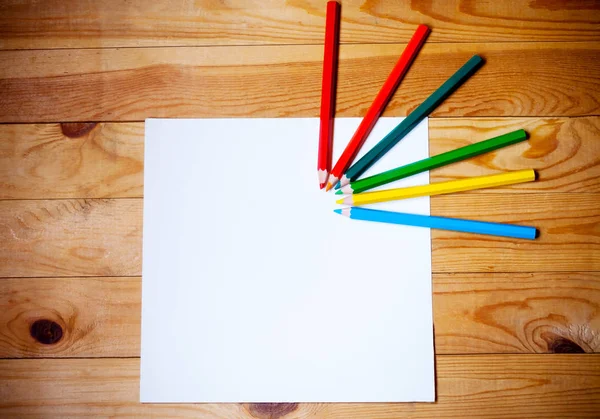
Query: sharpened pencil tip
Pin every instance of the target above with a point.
(338, 185)
(340, 201)
(339, 192)
(344, 211)
(347, 189)
(323, 176)
(328, 187)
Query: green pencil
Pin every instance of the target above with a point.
(412, 120)
(443, 159)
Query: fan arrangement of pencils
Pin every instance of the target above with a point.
(346, 173)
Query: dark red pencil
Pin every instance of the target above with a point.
(330, 61)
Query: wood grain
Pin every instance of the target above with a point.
(565, 152)
(97, 317)
(63, 237)
(131, 84)
(76, 24)
(60, 161)
(103, 237)
(569, 226)
(473, 314)
(498, 386)
(508, 313)
(71, 207)
(105, 160)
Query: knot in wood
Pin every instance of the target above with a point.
(271, 410)
(76, 129)
(46, 331)
(562, 345)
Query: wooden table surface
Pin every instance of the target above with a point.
(517, 324)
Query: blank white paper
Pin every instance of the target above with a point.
(254, 290)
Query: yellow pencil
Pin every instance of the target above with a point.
(480, 182)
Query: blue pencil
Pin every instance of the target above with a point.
(441, 223)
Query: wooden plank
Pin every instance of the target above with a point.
(76, 24)
(473, 314)
(131, 84)
(71, 160)
(103, 237)
(565, 152)
(507, 313)
(70, 237)
(73, 317)
(499, 386)
(105, 160)
(568, 226)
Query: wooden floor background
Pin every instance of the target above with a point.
(517, 324)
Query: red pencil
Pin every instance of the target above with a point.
(330, 60)
(378, 105)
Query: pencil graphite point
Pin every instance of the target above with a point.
(337, 185)
(339, 192)
(347, 200)
(343, 181)
(323, 174)
(330, 182)
(344, 211)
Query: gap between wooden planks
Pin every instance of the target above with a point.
(518, 79)
(102, 237)
(114, 23)
(498, 386)
(473, 314)
(105, 160)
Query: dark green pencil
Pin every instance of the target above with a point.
(443, 159)
(412, 120)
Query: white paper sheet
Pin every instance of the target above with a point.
(254, 290)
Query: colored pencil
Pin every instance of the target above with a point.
(328, 87)
(412, 120)
(378, 105)
(441, 223)
(443, 159)
(440, 188)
